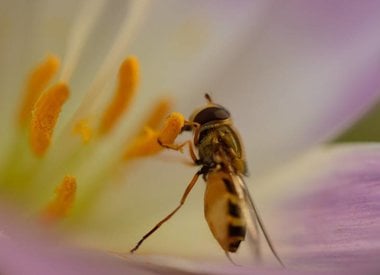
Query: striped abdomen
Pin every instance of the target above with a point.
(223, 211)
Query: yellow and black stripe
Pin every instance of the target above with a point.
(236, 227)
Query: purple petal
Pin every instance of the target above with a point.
(27, 249)
(37, 258)
(337, 224)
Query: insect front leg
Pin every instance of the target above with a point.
(192, 126)
(182, 201)
(179, 147)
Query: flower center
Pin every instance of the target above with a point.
(38, 116)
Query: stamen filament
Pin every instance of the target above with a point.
(58, 208)
(135, 15)
(125, 91)
(44, 117)
(82, 26)
(38, 80)
(147, 144)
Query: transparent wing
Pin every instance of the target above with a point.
(253, 219)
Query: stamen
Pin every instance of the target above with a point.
(44, 117)
(36, 83)
(126, 89)
(156, 117)
(58, 208)
(83, 128)
(82, 27)
(172, 128)
(147, 144)
(135, 15)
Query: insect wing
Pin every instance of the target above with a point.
(249, 215)
(253, 219)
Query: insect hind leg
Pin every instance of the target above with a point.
(171, 214)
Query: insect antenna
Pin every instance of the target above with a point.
(208, 98)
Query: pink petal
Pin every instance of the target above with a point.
(335, 223)
(26, 249)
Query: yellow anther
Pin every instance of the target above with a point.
(172, 128)
(36, 83)
(83, 128)
(44, 117)
(59, 206)
(147, 144)
(126, 89)
(158, 114)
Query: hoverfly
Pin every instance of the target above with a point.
(229, 209)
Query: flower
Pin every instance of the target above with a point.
(293, 74)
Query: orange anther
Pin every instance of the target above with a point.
(59, 206)
(158, 114)
(147, 144)
(126, 89)
(37, 81)
(172, 128)
(44, 117)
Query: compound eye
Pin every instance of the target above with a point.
(212, 113)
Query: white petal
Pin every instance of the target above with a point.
(311, 72)
(183, 44)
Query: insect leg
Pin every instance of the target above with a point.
(178, 147)
(183, 199)
(191, 125)
(196, 128)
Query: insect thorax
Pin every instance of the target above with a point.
(219, 145)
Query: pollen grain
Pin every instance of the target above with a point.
(36, 83)
(44, 117)
(125, 91)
